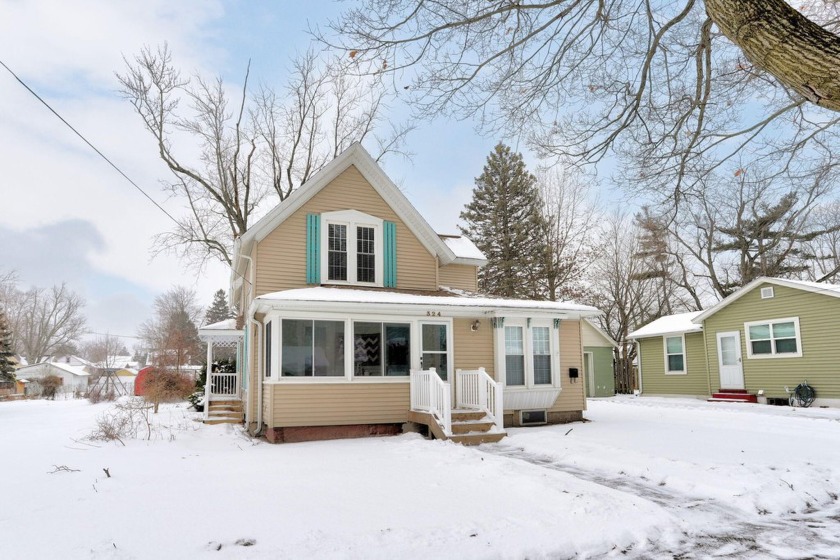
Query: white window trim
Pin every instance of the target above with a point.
(773, 354)
(352, 219)
(554, 341)
(349, 354)
(684, 370)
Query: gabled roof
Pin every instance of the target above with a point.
(678, 323)
(356, 156)
(832, 290)
(601, 332)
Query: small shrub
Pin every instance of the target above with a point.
(167, 386)
(196, 400)
(49, 386)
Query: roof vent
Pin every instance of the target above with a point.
(767, 293)
(532, 417)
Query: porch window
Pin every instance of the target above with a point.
(542, 355)
(267, 345)
(381, 349)
(777, 338)
(514, 356)
(674, 354)
(312, 348)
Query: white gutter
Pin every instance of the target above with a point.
(257, 343)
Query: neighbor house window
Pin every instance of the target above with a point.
(352, 251)
(381, 349)
(778, 338)
(312, 348)
(674, 354)
(541, 342)
(514, 356)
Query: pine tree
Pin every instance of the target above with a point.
(218, 310)
(7, 369)
(503, 220)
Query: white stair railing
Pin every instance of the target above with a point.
(475, 389)
(430, 393)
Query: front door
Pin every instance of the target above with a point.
(434, 348)
(729, 359)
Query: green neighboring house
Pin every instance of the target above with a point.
(770, 334)
(598, 360)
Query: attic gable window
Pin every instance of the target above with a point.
(352, 251)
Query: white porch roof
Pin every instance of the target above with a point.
(331, 299)
(221, 332)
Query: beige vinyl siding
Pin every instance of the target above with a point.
(656, 382)
(336, 404)
(282, 254)
(819, 326)
(591, 337)
(459, 276)
(473, 349)
(572, 396)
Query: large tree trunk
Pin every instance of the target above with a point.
(778, 39)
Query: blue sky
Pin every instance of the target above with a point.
(70, 217)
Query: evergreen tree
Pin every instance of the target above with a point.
(218, 310)
(7, 369)
(503, 220)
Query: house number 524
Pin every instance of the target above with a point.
(432, 313)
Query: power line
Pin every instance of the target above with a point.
(103, 156)
(86, 141)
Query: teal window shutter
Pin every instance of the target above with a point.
(390, 257)
(313, 249)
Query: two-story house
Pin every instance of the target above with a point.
(357, 318)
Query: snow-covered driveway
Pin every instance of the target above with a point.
(643, 479)
(744, 481)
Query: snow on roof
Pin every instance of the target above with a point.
(68, 368)
(463, 247)
(342, 295)
(226, 325)
(678, 323)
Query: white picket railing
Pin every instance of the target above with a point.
(430, 393)
(475, 389)
(224, 385)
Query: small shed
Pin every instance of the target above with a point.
(598, 360)
(73, 379)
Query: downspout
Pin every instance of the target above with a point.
(706, 350)
(257, 344)
(639, 356)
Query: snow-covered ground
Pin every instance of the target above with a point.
(645, 478)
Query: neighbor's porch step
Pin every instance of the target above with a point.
(224, 408)
(733, 395)
(215, 420)
(467, 414)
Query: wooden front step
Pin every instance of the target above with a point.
(472, 427)
(229, 411)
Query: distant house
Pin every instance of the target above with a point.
(770, 334)
(598, 360)
(72, 360)
(73, 379)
